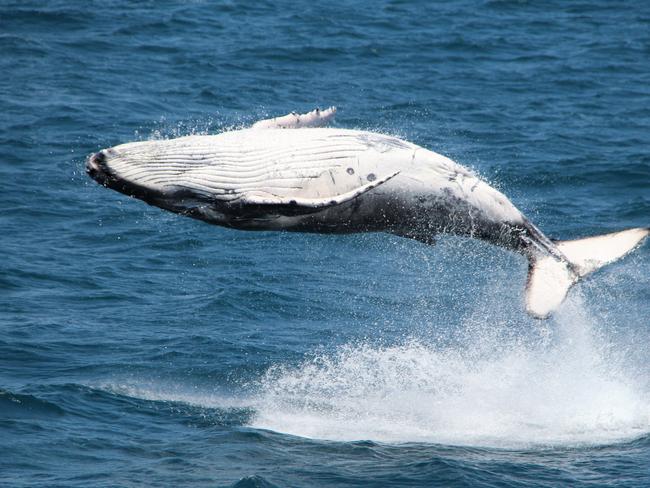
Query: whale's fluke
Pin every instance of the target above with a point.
(550, 278)
(591, 253)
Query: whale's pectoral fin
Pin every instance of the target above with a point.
(294, 205)
(315, 118)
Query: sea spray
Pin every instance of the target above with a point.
(563, 386)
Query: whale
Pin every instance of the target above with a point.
(294, 173)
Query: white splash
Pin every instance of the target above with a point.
(566, 389)
(569, 382)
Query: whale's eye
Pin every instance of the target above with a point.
(350, 171)
(372, 177)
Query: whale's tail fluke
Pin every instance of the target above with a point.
(550, 278)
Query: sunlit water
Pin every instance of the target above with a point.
(142, 348)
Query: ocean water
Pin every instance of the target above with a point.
(141, 348)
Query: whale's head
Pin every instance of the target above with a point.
(100, 167)
(116, 168)
(153, 172)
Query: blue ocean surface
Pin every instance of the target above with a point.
(142, 348)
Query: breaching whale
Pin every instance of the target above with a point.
(309, 178)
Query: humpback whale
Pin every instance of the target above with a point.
(292, 173)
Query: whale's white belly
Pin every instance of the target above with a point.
(308, 163)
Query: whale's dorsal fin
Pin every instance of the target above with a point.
(315, 118)
(302, 205)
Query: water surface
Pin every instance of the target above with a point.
(140, 348)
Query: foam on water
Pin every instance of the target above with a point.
(566, 383)
(568, 388)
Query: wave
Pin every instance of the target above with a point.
(205, 408)
(253, 482)
(24, 406)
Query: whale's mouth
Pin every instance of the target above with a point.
(171, 197)
(98, 168)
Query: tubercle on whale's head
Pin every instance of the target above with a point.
(98, 169)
